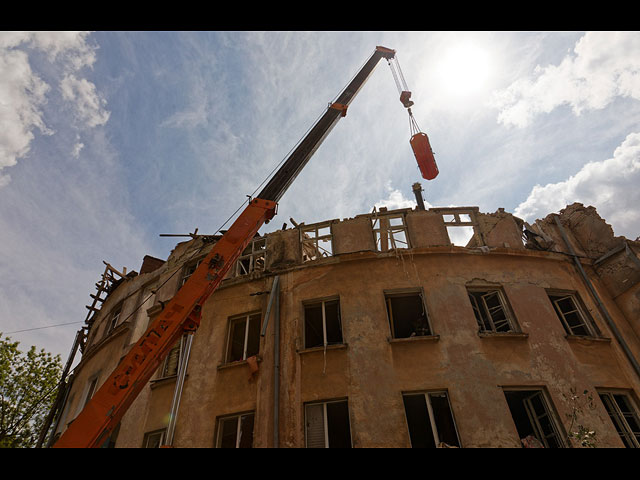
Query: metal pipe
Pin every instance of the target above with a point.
(417, 191)
(276, 373)
(596, 297)
(185, 350)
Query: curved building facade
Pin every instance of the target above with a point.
(378, 331)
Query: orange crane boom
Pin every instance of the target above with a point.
(183, 312)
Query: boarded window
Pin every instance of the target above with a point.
(389, 232)
(154, 439)
(244, 337)
(430, 420)
(533, 419)
(491, 310)
(322, 324)
(235, 431)
(407, 315)
(327, 425)
(624, 416)
(572, 314)
(316, 241)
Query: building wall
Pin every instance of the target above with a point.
(371, 369)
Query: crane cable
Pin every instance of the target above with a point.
(401, 85)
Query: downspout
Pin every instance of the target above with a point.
(185, 350)
(596, 297)
(274, 301)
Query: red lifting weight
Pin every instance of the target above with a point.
(424, 155)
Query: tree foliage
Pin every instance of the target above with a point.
(28, 384)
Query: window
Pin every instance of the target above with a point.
(244, 337)
(407, 315)
(322, 325)
(532, 416)
(172, 362)
(154, 439)
(115, 318)
(573, 315)
(252, 258)
(491, 310)
(624, 415)
(91, 389)
(316, 241)
(327, 425)
(430, 420)
(188, 271)
(235, 431)
(389, 232)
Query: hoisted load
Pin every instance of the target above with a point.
(419, 141)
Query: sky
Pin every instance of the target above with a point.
(110, 138)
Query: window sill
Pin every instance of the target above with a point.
(417, 338)
(164, 380)
(238, 363)
(520, 335)
(339, 346)
(586, 340)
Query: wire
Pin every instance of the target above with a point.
(40, 328)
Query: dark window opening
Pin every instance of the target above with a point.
(322, 324)
(327, 425)
(533, 420)
(407, 315)
(573, 318)
(624, 417)
(244, 337)
(491, 311)
(236, 431)
(430, 420)
(154, 439)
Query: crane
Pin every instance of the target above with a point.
(182, 314)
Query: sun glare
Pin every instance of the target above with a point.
(464, 69)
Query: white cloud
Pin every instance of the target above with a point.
(395, 199)
(23, 92)
(610, 185)
(603, 66)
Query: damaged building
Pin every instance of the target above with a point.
(379, 331)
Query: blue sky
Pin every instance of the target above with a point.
(108, 139)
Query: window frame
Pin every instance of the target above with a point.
(322, 302)
(620, 416)
(256, 250)
(114, 317)
(238, 417)
(432, 420)
(310, 243)
(485, 314)
(389, 230)
(397, 293)
(148, 435)
(586, 319)
(165, 364)
(187, 272)
(237, 319)
(325, 420)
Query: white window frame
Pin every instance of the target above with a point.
(114, 317)
(256, 254)
(586, 320)
(232, 322)
(238, 418)
(149, 435)
(485, 311)
(322, 302)
(390, 294)
(620, 417)
(432, 417)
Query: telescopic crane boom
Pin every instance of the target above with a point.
(182, 313)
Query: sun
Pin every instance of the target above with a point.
(464, 69)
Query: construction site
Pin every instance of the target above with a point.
(376, 331)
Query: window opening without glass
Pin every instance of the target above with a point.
(316, 241)
(533, 419)
(430, 420)
(154, 439)
(572, 315)
(235, 431)
(322, 324)
(491, 311)
(244, 337)
(252, 259)
(407, 315)
(624, 416)
(389, 232)
(327, 425)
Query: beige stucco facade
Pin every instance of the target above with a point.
(372, 368)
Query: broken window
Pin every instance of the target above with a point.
(389, 232)
(327, 425)
(115, 318)
(172, 362)
(624, 415)
(188, 271)
(407, 315)
(533, 419)
(244, 337)
(235, 431)
(154, 439)
(572, 314)
(252, 258)
(491, 310)
(322, 324)
(316, 241)
(430, 420)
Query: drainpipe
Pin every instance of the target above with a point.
(274, 302)
(417, 191)
(596, 297)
